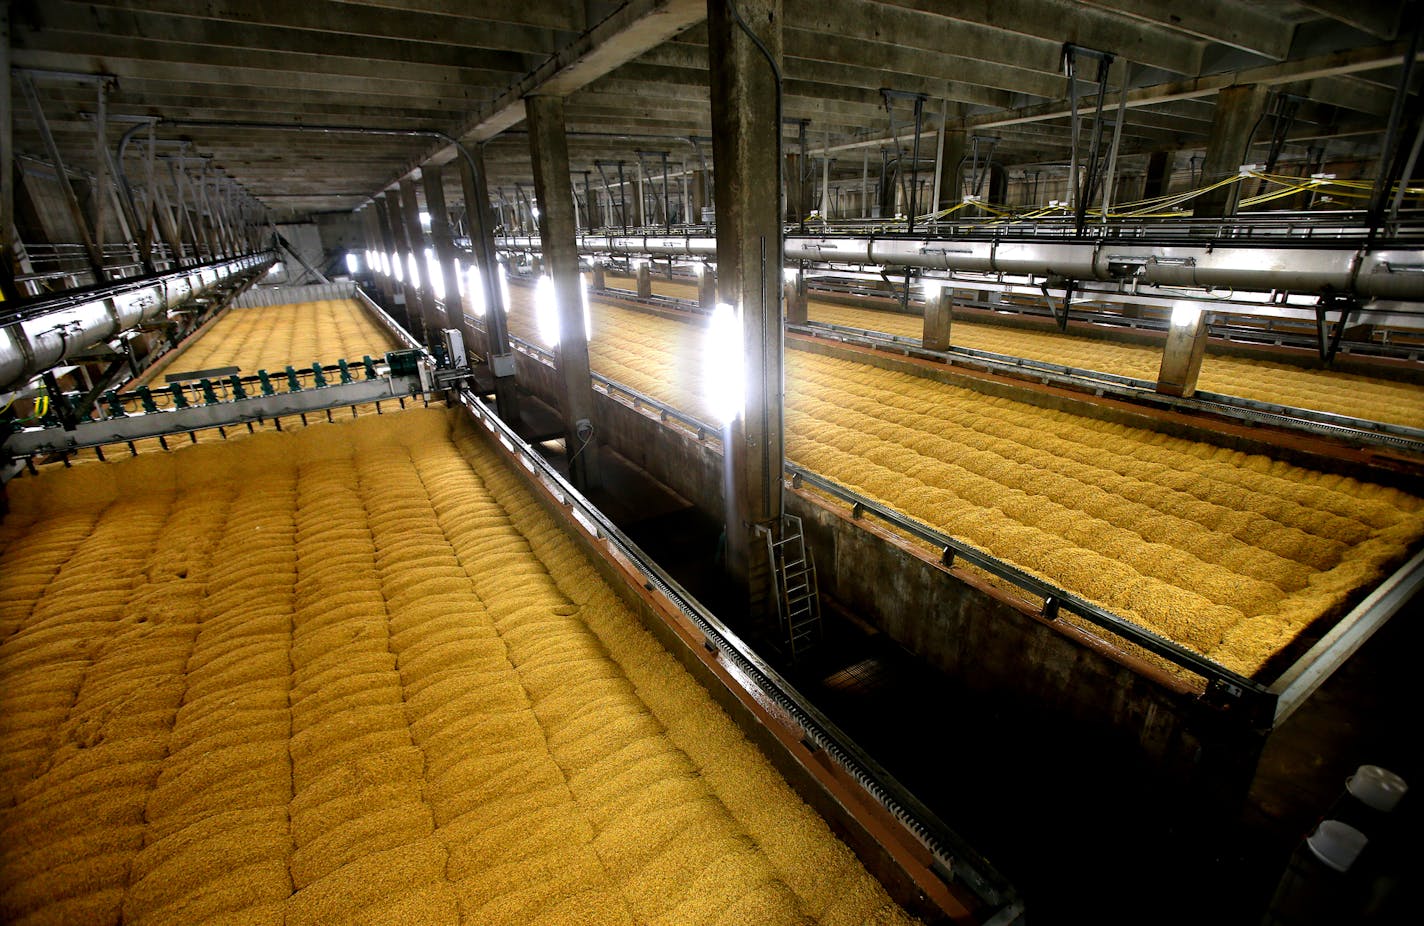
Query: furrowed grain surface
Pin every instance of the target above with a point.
(354, 673)
(1230, 554)
(270, 337)
(1341, 393)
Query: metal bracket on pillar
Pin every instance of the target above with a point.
(1328, 341)
(1068, 287)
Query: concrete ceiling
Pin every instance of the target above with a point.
(635, 75)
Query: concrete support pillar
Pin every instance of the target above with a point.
(795, 292)
(1228, 144)
(400, 254)
(951, 191)
(645, 280)
(1159, 173)
(375, 242)
(699, 195)
(939, 312)
(482, 226)
(416, 238)
(443, 240)
(549, 153)
(1182, 357)
(706, 286)
(749, 262)
(598, 281)
(415, 320)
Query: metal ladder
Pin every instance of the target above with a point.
(798, 604)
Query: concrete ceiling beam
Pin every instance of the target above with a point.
(1244, 26)
(181, 74)
(1022, 33)
(476, 27)
(1380, 18)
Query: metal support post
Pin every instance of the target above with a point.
(645, 280)
(548, 151)
(706, 286)
(795, 292)
(744, 44)
(1185, 348)
(939, 312)
(76, 212)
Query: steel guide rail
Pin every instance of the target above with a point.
(961, 861)
(1221, 681)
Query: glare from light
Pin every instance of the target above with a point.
(932, 289)
(396, 266)
(534, 211)
(700, 269)
(386, 263)
(1184, 314)
(425, 221)
(546, 311)
(474, 291)
(789, 274)
(353, 262)
(504, 288)
(432, 273)
(414, 269)
(724, 375)
(459, 276)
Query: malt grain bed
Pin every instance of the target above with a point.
(1341, 393)
(354, 673)
(1230, 554)
(270, 337)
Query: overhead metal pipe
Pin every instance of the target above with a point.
(40, 335)
(1348, 269)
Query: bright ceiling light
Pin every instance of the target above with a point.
(474, 291)
(353, 262)
(425, 221)
(546, 311)
(396, 267)
(433, 274)
(413, 267)
(723, 367)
